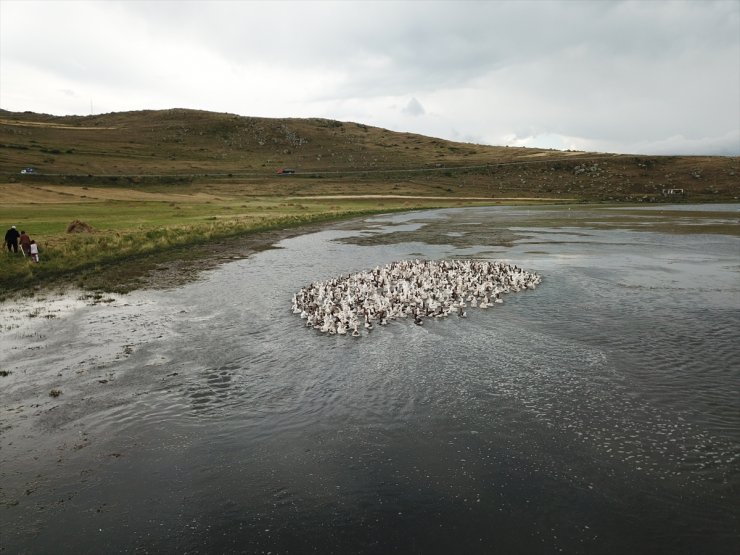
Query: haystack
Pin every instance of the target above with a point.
(78, 226)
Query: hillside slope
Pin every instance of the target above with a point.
(178, 146)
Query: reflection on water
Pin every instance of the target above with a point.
(597, 413)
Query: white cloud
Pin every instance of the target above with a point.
(414, 108)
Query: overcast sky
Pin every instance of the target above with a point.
(652, 77)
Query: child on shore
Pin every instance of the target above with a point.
(34, 251)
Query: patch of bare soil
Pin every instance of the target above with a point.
(50, 125)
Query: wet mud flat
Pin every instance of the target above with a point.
(506, 227)
(594, 414)
(62, 378)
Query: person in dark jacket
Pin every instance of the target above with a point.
(11, 239)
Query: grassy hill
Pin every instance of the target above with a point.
(331, 157)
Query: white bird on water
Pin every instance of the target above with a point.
(418, 288)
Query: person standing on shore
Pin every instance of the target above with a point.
(25, 242)
(11, 239)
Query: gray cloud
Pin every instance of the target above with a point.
(652, 76)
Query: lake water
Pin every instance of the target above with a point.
(598, 413)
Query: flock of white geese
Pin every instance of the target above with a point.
(414, 289)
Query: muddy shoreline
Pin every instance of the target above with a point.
(178, 272)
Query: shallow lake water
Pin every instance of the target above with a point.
(598, 413)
